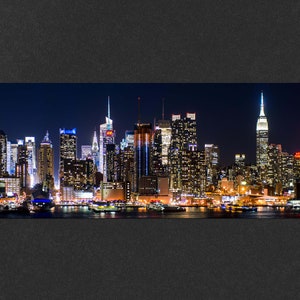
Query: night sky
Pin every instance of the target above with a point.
(226, 113)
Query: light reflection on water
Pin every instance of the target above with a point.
(75, 212)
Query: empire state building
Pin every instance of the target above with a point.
(262, 137)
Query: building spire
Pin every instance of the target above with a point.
(108, 107)
(108, 119)
(95, 146)
(262, 112)
(46, 138)
(139, 110)
(163, 108)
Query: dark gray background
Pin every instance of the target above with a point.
(149, 41)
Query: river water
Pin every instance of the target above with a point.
(191, 212)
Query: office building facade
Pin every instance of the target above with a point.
(46, 164)
(262, 138)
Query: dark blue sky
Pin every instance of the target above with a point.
(226, 113)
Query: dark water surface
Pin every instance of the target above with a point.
(191, 212)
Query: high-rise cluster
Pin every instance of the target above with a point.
(152, 160)
(25, 166)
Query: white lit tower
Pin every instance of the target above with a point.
(95, 150)
(212, 161)
(262, 137)
(107, 136)
(161, 145)
(166, 132)
(31, 156)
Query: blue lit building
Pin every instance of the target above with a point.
(142, 152)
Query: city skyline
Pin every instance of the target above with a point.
(226, 113)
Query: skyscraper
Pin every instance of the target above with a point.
(86, 151)
(31, 156)
(161, 145)
(262, 137)
(126, 165)
(22, 165)
(164, 133)
(212, 160)
(12, 157)
(46, 163)
(142, 152)
(67, 149)
(183, 140)
(240, 160)
(273, 172)
(95, 151)
(107, 136)
(3, 152)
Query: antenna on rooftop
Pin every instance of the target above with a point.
(139, 110)
(163, 108)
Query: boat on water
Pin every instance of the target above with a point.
(104, 206)
(239, 208)
(155, 206)
(41, 204)
(14, 208)
(293, 206)
(173, 208)
(161, 207)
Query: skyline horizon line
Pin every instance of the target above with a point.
(221, 109)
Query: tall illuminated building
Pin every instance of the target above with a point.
(262, 137)
(67, 150)
(273, 172)
(31, 156)
(128, 141)
(142, 152)
(107, 136)
(183, 140)
(86, 152)
(111, 163)
(161, 145)
(162, 138)
(126, 165)
(3, 153)
(157, 166)
(240, 160)
(193, 175)
(8, 159)
(67, 144)
(296, 167)
(212, 161)
(287, 166)
(46, 163)
(12, 157)
(95, 151)
(22, 165)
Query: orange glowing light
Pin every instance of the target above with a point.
(109, 133)
(297, 155)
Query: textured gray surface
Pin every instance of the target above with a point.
(149, 41)
(151, 259)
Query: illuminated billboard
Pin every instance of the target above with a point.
(109, 133)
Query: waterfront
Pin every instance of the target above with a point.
(82, 212)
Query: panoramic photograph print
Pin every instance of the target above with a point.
(149, 150)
